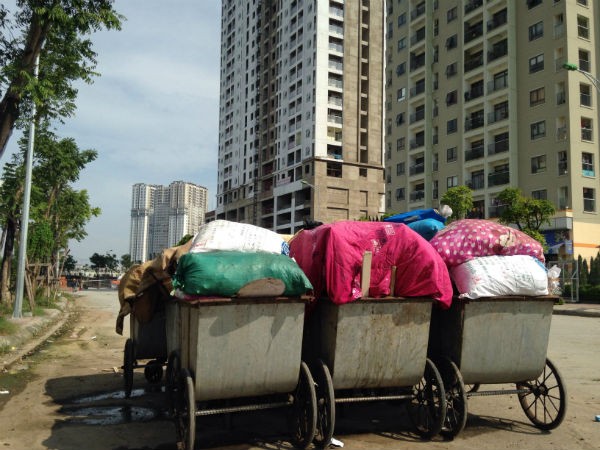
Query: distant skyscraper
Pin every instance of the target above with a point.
(301, 104)
(161, 216)
(477, 95)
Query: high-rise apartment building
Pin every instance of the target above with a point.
(162, 215)
(477, 95)
(301, 104)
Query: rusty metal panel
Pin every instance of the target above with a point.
(240, 350)
(504, 341)
(375, 344)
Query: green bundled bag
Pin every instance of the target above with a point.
(225, 273)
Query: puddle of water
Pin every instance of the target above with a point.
(109, 415)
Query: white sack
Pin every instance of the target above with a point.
(223, 235)
(492, 276)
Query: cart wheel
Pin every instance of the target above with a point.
(546, 402)
(173, 368)
(325, 406)
(185, 419)
(304, 410)
(456, 399)
(153, 371)
(128, 363)
(427, 409)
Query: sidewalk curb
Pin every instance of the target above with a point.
(577, 312)
(32, 337)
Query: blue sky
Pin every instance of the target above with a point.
(152, 115)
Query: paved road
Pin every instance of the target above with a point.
(70, 396)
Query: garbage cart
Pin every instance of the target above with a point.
(372, 350)
(238, 354)
(498, 340)
(147, 342)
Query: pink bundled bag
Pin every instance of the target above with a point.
(463, 240)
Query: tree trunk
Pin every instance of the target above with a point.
(9, 105)
(5, 273)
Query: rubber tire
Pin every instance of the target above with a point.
(456, 398)
(128, 363)
(325, 406)
(427, 409)
(304, 420)
(185, 418)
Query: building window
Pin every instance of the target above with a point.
(401, 19)
(587, 164)
(584, 60)
(400, 169)
(451, 98)
(401, 94)
(540, 194)
(537, 96)
(589, 199)
(400, 143)
(563, 197)
(452, 14)
(452, 182)
(451, 126)
(401, 44)
(451, 154)
(538, 164)
(451, 42)
(585, 95)
(451, 70)
(583, 27)
(536, 31)
(533, 3)
(334, 169)
(586, 129)
(400, 69)
(538, 129)
(536, 63)
(399, 119)
(582, 2)
(563, 164)
(400, 194)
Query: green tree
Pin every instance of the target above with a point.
(594, 275)
(68, 263)
(460, 199)
(57, 31)
(583, 270)
(126, 262)
(106, 261)
(526, 213)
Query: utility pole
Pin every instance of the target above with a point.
(589, 76)
(17, 311)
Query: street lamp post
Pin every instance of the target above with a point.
(589, 76)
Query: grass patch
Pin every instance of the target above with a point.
(7, 327)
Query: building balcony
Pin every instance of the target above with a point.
(476, 183)
(473, 32)
(497, 53)
(416, 143)
(473, 94)
(418, 195)
(473, 63)
(416, 117)
(498, 178)
(498, 147)
(497, 116)
(497, 85)
(496, 210)
(474, 153)
(472, 5)
(417, 90)
(473, 123)
(418, 12)
(497, 22)
(416, 169)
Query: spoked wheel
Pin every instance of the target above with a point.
(304, 418)
(456, 398)
(546, 402)
(185, 413)
(153, 371)
(128, 363)
(171, 378)
(325, 406)
(427, 409)
(472, 387)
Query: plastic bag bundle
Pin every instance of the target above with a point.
(493, 276)
(223, 235)
(466, 239)
(225, 273)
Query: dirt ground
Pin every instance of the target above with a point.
(70, 395)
